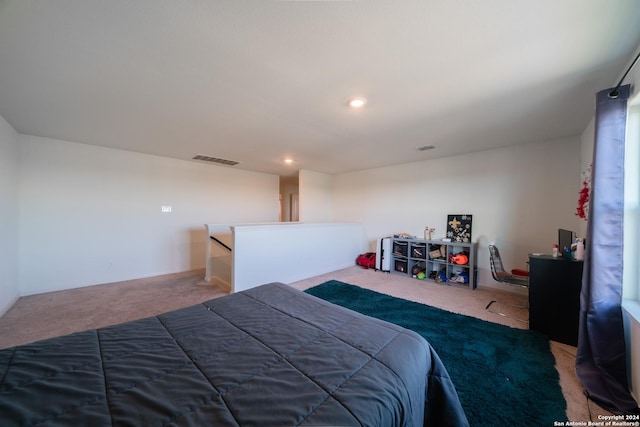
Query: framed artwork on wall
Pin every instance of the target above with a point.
(459, 228)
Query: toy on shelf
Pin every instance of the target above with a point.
(403, 236)
(428, 233)
(460, 259)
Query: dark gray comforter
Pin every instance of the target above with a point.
(268, 356)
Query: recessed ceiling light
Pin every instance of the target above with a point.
(288, 161)
(357, 102)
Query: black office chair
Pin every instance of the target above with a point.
(517, 278)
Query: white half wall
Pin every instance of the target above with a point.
(519, 196)
(9, 282)
(91, 215)
(288, 252)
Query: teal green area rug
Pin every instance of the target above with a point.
(504, 376)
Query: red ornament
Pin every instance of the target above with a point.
(583, 201)
(583, 196)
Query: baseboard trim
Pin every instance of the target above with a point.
(7, 307)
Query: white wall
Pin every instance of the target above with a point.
(518, 196)
(9, 284)
(91, 215)
(316, 196)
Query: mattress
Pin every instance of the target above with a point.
(267, 356)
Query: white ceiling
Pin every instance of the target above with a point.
(256, 81)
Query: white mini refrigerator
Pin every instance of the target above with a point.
(383, 255)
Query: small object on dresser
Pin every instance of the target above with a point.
(555, 250)
(579, 250)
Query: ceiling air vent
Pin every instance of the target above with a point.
(426, 147)
(210, 159)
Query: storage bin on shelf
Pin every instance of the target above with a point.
(400, 247)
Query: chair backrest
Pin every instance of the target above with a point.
(498, 272)
(497, 268)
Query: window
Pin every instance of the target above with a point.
(631, 277)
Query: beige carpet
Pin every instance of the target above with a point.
(57, 313)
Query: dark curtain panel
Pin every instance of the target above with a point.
(601, 359)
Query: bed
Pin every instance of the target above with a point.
(268, 356)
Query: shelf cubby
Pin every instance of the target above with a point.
(451, 263)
